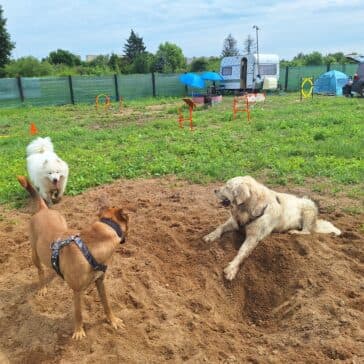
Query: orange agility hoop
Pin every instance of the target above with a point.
(107, 101)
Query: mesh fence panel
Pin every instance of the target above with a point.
(295, 73)
(46, 90)
(86, 88)
(9, 93)
(135, 86)
(56, 90)
(349, 69)
(168, 85)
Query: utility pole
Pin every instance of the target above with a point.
(256, 32)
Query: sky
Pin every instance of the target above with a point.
(198, 27)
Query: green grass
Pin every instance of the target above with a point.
(287, 141)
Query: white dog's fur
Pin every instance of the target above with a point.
(262, 211)
(46, 170)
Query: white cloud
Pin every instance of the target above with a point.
(198, 27)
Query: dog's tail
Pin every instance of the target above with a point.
(32, 191)
(326, 227)
(40, 145)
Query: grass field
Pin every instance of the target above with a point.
(286, 142)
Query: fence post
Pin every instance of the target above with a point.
(343, 67)
(116, 87)
(20, 87)
(286, 79)
(328, 66)
(153, 85)
(71, 89)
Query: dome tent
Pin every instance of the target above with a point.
(330, 83)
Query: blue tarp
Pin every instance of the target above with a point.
(330, 83)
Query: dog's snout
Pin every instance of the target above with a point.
(55, 180)
(216, 191)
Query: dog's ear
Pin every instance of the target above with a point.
(241, 193)
(122, 216)
(103, 204)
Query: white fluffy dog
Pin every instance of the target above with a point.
(261, 211)
(46, 170)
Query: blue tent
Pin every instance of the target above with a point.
(330, 83)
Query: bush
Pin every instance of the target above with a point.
(28, 67)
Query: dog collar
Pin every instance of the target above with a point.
(116, 227)
(59, 244)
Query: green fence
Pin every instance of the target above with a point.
(83, 89)
(290, 77)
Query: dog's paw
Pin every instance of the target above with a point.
(230, 271)
(209, 238)
(116, 323)
(79, 334)
(299, 232)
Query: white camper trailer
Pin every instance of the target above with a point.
(241, 72)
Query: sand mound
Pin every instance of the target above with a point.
(295, 299)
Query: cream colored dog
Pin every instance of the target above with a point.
(262, 211)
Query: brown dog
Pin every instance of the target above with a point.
(101, 240)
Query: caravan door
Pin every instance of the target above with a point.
(243, 73)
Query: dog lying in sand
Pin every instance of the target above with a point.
(261, 211)
(80, 259)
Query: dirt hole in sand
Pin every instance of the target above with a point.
(293, 298)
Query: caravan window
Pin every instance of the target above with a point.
(267, 69)
(227, 71)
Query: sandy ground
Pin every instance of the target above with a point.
(295, 299)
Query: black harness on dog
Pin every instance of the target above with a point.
(116, 227)
(59, 244)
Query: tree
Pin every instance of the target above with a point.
(61, 56)
(133, 46)
(337, 57)
(229, 47)
(28, 67)
(199, 64)
(249, 44)
(142, 63)
(213, 64)
(100, 60)
(169, 58)
(114, 62)
(6, 46)
(314, 59)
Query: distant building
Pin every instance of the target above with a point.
(189, 60)
(91, 57)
